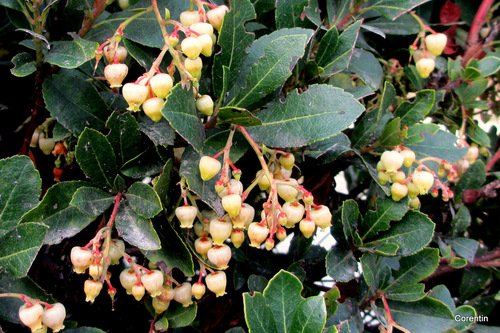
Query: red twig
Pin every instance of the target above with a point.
(88, 22)
(493, 161)
(115, 210)
(474, 46)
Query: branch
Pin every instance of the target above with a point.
(88, 22)
(474, 45)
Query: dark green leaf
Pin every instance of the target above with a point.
(411, 113)
(310, 315)
(14, 4)
(441, 144)
(473, 177)
(238, 149)
(376, 271)
(392, 135)
(258, 314)
(461, 220)
(71, 54)
(350, 219)
(341, 264)
(92, 201)
(283, 294)
(234, 40)
(317, 114)
(160, 132)
(257, 283)
(441, 293)
(473, 280)
(173, 252)
(327, 46)
(240, 117)
(20, 247)
(340, 59)
(464, 247)
(161, 184)
(414, 77)
(180, 111)
(125, 136)
(331, 297)
(95, 156)
(489, 66)
(143, 199)
(143, 165)
(387, 210)
(413, 269)
(329, 150)
(289, 14)
(135, 229)
(415, 132)
(403, 25)
(468, 92)
(24, 65)
(205, 189)
(145, 55)
(20, 189)
(179, 316)
(423, 316)
(411, 234)
(55, 211)
(75, 103)
(409, 292)
(463, 311)
(59, 132)
(392, 9)
(272, 70)
(367, 67)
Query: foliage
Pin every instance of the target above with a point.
(105, 172)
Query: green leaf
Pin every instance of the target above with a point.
(180, 111)
(179, 316)
(376, 270)
(327, 46)
(473, 280)
(143, 165)
(13, 4)
(234, 40)
(464, 247)
(71, 54)
(473, 177)
(143, 199)
(387, 210)
(173, 252)
(92, 201)
(441, 144)
(413, 269)
(20, 247)
(411, 234)
(423, 316)
(331, 297)
(283, 294)
(461, 221)
(319, 113)
(135, 229)
(95, 156)
(75, 103)
(145, 55)
(258, 314)
(409, 292)
(329, 150)
(272, 70)
(350, 220)
(414, 134)
(125, 136)
(161, 185)
(24, 65)
(392, 9)
(463, 311)
(257, 283)
(289, 14)
(236, 116)
(205, 189)
(489, 66)
(416, 80)
(392, 135)
(411, 113)
(365, 65)
(468, 92)
(441, 293)
(238, 149)
(310, 315)
(341, 265)
(160, 132)
(340, 59)
(55, 210)
(20, 189)
(404, 25)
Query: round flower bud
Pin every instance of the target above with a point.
(321, 216)
(235, 187)
(257, 233)
(135, 94)
(209, 167)
(153, 282)
(288, 192)
(216, 16)
(205, 105)
(409, 157)
(413, 191)
(425, 66)
(189, 17)
(287, 161)
(237, 237)
(186, 215)
(472, 154)
(191, 47)
(116, 250)
(202, 245)
(392, 161)
(138, 291)
(160, 306)
(128, 279)
(53, 317)
(398, 177)
(281, 234)
(436, 43)
(194, 66)
(245, 216)
(31, 316)
(423, 180)
(220, 230)
(110, 52)
(161, 84)
(167, 294)
(92, 288)
(202, 28)
(81, 259)
(115, 74)
(183, 294)
(198, 289)
(269, 244)
(263, 181)
(46, 145)
(220, 256)
(415, 203)
(294, 212)
(307, 227)
(232, 204)
(206, 44)
(383, 177)
(398, 191)
(216, 283)
(152, 108)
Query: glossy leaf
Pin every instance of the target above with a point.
(403, 25)
(179, 316)
(91, 201)
(233, 39)
(464, 247)
(392, 135)
(411, 113)
(461, 312)
(341, 265)
(124, 136)
(71, 54)
(143, 165)
(340, 59)
(258, 314)
(173, 251)
(240, 117)
(441, 293)
(392, 9)
(387, 210)
(317, 114)
(161, 185)
(160, 132)
(411, 234)
(24, 64)
(95, 156)
(473, 280)
(180, 111)
(376, 271)
(367, 67)
(310, 315)
(135, 229)
(143, 199)
(55, 211)
(289, 14)
(238, 149)
(328, 150)
(75, 103)
(328, 44)
(20, 247)
(441, 144)
(350, 219)
(20, 189)
(472, 178)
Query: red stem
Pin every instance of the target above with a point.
(88, 22)
(493, 161)
(473, 43)
(115, 210)
(387, 310)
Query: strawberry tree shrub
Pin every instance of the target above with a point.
(177, 166)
